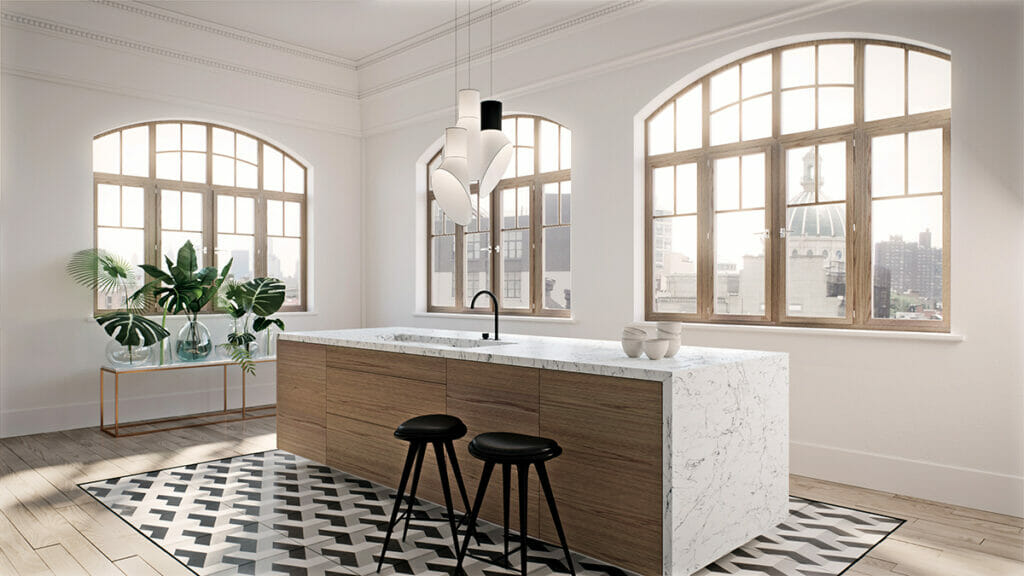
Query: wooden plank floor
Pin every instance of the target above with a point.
(49, 526)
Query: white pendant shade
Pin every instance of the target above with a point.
(451, 178)
(469, 118)
(496, 150)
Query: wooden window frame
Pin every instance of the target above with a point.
(535, 183)
(152, 186)
(859, 245)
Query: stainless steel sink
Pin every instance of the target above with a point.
(447, 341)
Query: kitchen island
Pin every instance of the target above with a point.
(668, 464)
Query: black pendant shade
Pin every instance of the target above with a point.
(490, 115)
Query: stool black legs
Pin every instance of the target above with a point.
(413, 450)
(524, 470)
(485, 477)
(506, 485)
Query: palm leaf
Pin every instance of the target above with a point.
(241, 355)
(100, 270)
(132, 329)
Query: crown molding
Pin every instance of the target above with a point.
(201, 25)
(510, 44)
(440, 31)
(44, 76)
(63, 30)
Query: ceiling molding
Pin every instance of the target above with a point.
(56, 28)
(440, 31)
(200, 25)
(510, 44)
(45, 76)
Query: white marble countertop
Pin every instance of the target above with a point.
(603, 357)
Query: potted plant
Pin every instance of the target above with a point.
(186, 288)
(250, 305)
(133, 334)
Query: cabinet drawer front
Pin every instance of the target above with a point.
(382, 400)
(301, 379)
(493, 398)
(302, 438)
(427, 368)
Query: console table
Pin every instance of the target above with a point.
(242, 412)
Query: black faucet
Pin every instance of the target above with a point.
(494, 301)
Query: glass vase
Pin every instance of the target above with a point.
(194, 342)
(122, 355)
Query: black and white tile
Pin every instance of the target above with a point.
(276, 513)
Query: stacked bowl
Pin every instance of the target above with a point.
(633, 341)
(673, 332)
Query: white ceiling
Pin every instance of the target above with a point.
(349, 29)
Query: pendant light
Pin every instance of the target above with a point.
(495, 148)
(451, 177)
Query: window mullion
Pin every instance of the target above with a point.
(705, 208)
(495, 233)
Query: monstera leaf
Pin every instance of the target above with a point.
(267, 295)
(132, 329)
(260, 323)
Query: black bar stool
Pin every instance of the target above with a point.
(510, 449)
(439, 430)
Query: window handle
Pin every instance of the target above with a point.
(783, 232)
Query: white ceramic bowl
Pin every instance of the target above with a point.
(655, 348)
(673, 346)
(633, 348)
(632, 331)
(671, 327)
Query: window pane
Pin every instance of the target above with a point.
(508, 126)
(727, 183)
(273, 179)
(675, 264)
(800, 175)
(557, 269)
(659, 132)
(135, 151)
(725, 87)
(483, 215)
(835, 106)
(247, 177)
(739, 263)
(246, 148)
(524, 165)
(757, 76)
(523, 207)
(133, 210)
(170, 210)
(550, 204)
(797, 110)
(887, 166)
(798, 67)
(566, 201)
(106, 154)
(815, 261)
(108, 205)
(275, 217)
(168, 165)
(129, 244)
(168, 137)
(193, 137)
(284, 262)
(835, 64)
(241, 248)
(245, 215)
(515, 268)
(191, 211)
(725, 125)
(757, 118)
(753, 180)
(477, 268)
(223, 171)
(172, 240)
(689, 126)
(565, 158)
(525, 131)
(442, 273)
(907, 258)
(663, 185)
(929, 83)
(223, 142)
(883, 81)
(292, 219)
(548, 146)
(686, 189)
(832, 172)
(294, 177)
(225, 213)
(924, 162)
(193, 166)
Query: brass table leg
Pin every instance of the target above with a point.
(117, 397)
(243, 394)
(101, 398)
(225, 388)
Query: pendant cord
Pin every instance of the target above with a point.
(490, 38)
(456, 53)
(469, 45)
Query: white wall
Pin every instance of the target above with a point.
(930, 418)
(59, 89)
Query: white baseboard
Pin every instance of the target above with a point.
(82, 415)
(1001, 493)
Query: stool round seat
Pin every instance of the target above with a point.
(511, 448)
(432, 427)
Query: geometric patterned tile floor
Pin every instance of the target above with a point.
(277, 513)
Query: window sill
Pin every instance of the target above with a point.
(834, 332)
(540, 319)
(220, 316)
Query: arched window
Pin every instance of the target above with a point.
(523, 253)
(817, 147)
(160, 184)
